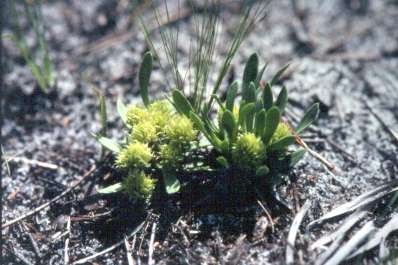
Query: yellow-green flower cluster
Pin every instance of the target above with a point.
(157, 134)
(248, 151)
(138, 185)
(149, 123)
(180, 129)
(134, 155)
(282, 131)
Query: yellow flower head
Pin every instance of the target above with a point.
(135, 155)
(144, 132)
(139, 186)
(136, 114)
(160, 113)
(180, 129)
(282, 131)
(248, 151)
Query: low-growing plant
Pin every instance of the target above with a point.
(249, 140)
(41, 69)
(243, 137)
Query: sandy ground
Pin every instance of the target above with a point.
(343, 54)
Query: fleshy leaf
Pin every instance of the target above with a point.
(144, 76)
(282, 143)
(259, 127)
(122, 110)
(231, 95)
(262, 171)
(103, 114)
(181, 103)
(244, 111)
(249, 74)
(229, 124)
(251, 93)
(111, 189)
(309, 117)
(296, 157)
(172, 184)
(271, 123)
(281, 101)
(268, 97)
(260, 75)
(109, 144)
(278, 75)
(222, 161)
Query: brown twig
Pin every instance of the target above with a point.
(318, 156)
(271, 221)
(47, 204)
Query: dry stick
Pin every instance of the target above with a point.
(129, 252)
(352, 244)
(293, 232)
(268, 215)
(393, 134)
(66, 249)
(318, 156)
(151, 243)
(118, 244)
(45, 205)
(31, 162)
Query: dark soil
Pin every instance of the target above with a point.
(342, 53)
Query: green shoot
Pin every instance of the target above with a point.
(42, 71)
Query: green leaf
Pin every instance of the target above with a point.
(249, 121)
(109, 144)
(281, 101)
(224, 146)
(271, 123)
(309, 117)
(260, 75)
(144, 76)
(244, 111)
(181, 103)
(229, 124)
(262, 171)
(259, 125)
(103, 115)
(231, 95)
(251, 93)
(172, 184)
(296, 156)
(111, 189)
(199, 124)
(122, 110)
(218, 100)
(282, 143)
(278, 75)
(222, 161)
(249, 74)
(268, 97)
